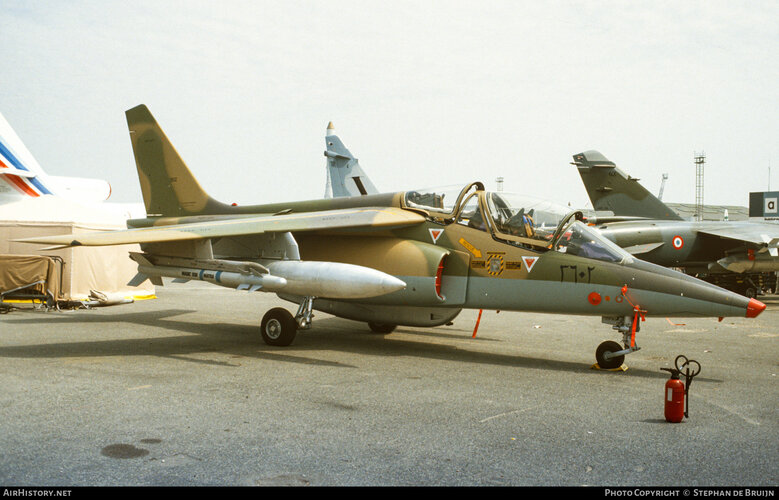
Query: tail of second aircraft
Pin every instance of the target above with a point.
(612, 190)
(169, 188)
(22, 177)
(344, 175)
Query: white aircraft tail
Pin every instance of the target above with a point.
(21, 175)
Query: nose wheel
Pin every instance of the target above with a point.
(610, 354)
(606, 357)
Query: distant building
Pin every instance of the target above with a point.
(764, 205)
(688, 211)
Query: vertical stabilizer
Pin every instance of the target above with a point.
(169, 188)
(345, 176)
(22, 176)
(20, 173)
(612, 190)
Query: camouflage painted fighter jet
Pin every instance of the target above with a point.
(646, 227)
(414, 258)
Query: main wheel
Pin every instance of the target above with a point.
(381, 327)
(278, 327)
(608, 347)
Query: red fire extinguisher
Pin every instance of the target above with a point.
(676, 391)
(674, 397)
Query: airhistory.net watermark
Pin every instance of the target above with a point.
(36, 492)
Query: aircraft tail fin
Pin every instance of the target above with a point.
(21, 175)
(169, 188)
(344, 174)
(612, 190)
(18, 168)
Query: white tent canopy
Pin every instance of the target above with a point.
(106, 270)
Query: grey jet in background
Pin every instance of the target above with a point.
(738, 255)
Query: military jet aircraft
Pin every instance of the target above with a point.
(414, 258)
(730, 253)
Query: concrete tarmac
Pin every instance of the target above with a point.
(181, 390)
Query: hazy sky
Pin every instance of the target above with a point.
(423, 93)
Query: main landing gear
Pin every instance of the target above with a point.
(610, 354)
(279, 327)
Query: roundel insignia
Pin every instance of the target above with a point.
(677, 242)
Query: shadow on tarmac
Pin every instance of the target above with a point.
(243, 340)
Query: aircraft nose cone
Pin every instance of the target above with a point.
(754, 308)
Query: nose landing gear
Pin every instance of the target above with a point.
(610, 355)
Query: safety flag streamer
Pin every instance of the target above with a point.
(637, 313)
(476, 328)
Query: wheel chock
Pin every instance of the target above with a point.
(622, 368)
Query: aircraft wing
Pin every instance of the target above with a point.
(644, 248)
(294, 222)
(759, 235)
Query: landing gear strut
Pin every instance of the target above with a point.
(279, 327)
(610, 354)
(305, 313)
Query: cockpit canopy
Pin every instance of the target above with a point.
(586, 241)
(523, 215)
(516, 219)
(439, 200)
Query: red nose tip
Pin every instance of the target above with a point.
(754, 308)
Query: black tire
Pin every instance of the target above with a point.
(383, 328)
(750, 292)
(606, 347)
(278, 327)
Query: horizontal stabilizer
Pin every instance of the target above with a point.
(16, 171)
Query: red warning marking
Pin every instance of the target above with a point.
(435, 234)
(529, 262)
(594, 298)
